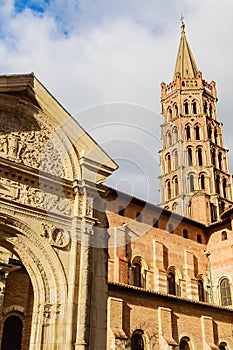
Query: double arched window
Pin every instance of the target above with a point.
(225, 292)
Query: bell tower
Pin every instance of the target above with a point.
(195, 180)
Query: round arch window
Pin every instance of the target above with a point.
(137, 342)
(184, 345)
(223, 346)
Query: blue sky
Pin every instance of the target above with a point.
(37, 6)
(94, 55)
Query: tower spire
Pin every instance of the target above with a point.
(185, 62)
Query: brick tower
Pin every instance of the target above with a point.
(195, 179)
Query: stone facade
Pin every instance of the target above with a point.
(50, 175)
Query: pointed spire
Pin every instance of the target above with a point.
(185, 62)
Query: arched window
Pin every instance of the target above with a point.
(174, 207)
(202, 181)
(175, 159)
(121, 210)
(169, 139)
(176, 110)
(169, 114)
(185, 233)
(168, 190)
(12, 333)
(209, 131)
(224, 188)
(191, 182)
(215, 136)
(188, 132)
(190, 156)
(217, 184)
(175, 135)
(210, 110)
(186, 108)
(176, 186)
(137, 342)
(201, 293)
(220, 160)
(139, 217)
(224, 235)
(194, 107)
(200, 156)
(197, 132)
(214, 156)
(171, 283)
(168, 162)
(223, 346)
(184, 345)
(137, 271)
(199, 238)
(225, 291)
(205, 107)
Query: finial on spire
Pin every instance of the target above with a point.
(182, 23)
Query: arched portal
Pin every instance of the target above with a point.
(46, 276)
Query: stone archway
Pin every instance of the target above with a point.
(47, 278)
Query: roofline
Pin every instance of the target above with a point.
(149, 292)
(153, 206)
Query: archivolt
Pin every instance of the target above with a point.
(40, 260)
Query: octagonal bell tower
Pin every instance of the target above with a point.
(195, 179)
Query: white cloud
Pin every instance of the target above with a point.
(117, 51)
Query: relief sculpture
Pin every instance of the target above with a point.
(25, 141)
(57, 237)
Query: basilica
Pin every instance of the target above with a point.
(87, 267)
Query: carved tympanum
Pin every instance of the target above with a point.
(27, 141)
